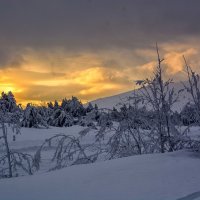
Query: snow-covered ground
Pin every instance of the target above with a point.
(167, 176)
(30, 138)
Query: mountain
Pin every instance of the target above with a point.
(124, 98)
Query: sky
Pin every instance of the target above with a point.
(92, 48)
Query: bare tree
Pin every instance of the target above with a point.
(68, 151)
(160, 96)
(193, 88)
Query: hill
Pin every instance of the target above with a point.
(124, 98)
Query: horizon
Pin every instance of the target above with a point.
(45, 103)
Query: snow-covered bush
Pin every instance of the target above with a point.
(189, 115)
(88, 120)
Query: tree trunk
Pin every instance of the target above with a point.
(7, 148)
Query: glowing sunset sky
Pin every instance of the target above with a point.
(51, 49)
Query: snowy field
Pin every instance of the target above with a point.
(169, 176)
(30, 139)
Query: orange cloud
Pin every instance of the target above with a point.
(47, 75)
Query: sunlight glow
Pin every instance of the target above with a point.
(46, 76)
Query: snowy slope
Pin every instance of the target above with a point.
(120, 99)
(149, 177)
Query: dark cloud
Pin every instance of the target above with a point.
(96, 24)
(12, 57)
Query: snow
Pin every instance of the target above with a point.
(32, 137)
(120, 99)
(154, 177)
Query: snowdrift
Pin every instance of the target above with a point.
(167, 176)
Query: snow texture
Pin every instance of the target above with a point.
(154, 177)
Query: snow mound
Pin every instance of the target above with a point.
(167, 176)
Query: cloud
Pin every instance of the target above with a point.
(90, 48)
(82, 75)
(11, 57)
(57, 73)
(83, 24)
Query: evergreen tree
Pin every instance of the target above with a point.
(8, 103)
(60, 118)
(11, 160)
(56, 105)
(89, 108)
(73, 106)
(33, 118)
(50, 105)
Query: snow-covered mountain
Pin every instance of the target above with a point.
(123, 98)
